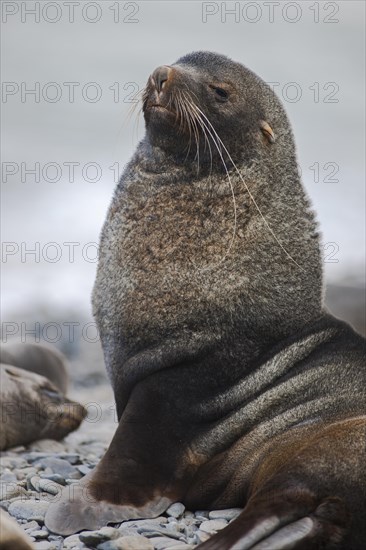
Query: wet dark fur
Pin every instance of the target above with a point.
(233, 386)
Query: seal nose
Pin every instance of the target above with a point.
(160, 76)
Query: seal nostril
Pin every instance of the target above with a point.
(160, 76)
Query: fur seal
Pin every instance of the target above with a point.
(12, 536)
(233, 385)
(38, 358)
(33, 405)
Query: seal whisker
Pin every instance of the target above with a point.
(249, 192)
(202, 128)
(193, 122)
(135, 111)
(207, 141)
(186, 118)
(213, 137)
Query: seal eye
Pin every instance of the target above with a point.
(220, 93)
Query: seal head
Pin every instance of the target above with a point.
(202, 98)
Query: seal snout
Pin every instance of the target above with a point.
(160, 76)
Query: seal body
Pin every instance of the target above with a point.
(33, 379)
(12, 536)
(233, 386)
(40, 359)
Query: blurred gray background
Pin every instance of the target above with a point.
(103, 53)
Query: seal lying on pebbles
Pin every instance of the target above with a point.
(38, 358)
(32, 407)
(233, 385)
(12, 537)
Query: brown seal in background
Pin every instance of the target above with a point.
(39, 358)
(33, 381)
(233, 385)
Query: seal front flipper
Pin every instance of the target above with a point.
(292, 523)
(144, 470)
(117, 490)
(78, 509)
(120, 488)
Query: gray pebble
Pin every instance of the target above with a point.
(213, 525)
(128, 531)
(176, 510)
(229, 514)
(35, 455)
(47, 446)
(161, 543)
(57, 539)
(201, 536)
(135, 542)
(200, 519)
(201, 514)
(49, 486)
(13, 462)
(72, 542)
(156, 530)
(39, 534)
(93, 538)
(25, 472)
(43, 545)
(190, 530)
(11, 490)
(60, 466)
(72, 458)
(140, 522)
(30, 526)
(189, 521)
(29, 509)
(8, 476)
(83, 469)
(54, 477)
(33, 482)
(181, 546)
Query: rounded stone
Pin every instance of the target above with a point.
(229, 514)
(93, 538)
(39, 534)
(213, 525)
(11, 490)
(181, 546)
(49, 486)
(134, 542)
(176, 510)
(83, 469)
(42, 545)
(201, 536)
(31, 526)
(13, 462)
(72, 543)
(54, 477)
(164, 543)
(8, 476)
(47, 446)
(29, 509)
(60, 466)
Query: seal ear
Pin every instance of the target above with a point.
(267, 131)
